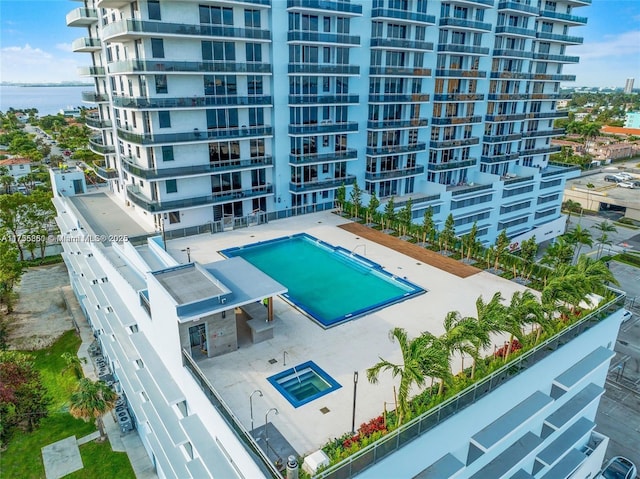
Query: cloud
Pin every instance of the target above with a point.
(29, 64)
(625, 44)
(65, 47)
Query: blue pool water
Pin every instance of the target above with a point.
(328, 283)
(303, 383)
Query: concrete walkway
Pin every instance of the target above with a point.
(61, 458)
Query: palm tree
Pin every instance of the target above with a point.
(411, 371)
(488, 320)
(558, 253)
(92, 400)
(579, 237)
(604, 227)
(458, 336)
(524, 309)
(74, 362)
(435, 359)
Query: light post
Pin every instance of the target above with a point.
(251, 405)
(188, 251)
(266, 433)
(355, 389)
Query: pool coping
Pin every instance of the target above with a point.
(333, 384)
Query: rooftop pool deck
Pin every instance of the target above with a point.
(340, 351)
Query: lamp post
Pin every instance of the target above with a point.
(251, 405)
(266, 434)
(355, 389)
(188, 251)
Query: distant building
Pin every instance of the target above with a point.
(562, 103)
(632, 120)
(18, 167)
(22, 117)
(70, 111)
(628, 85)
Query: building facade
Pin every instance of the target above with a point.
(224, 113)
(632, 120)
(628, 85)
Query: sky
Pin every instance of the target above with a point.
(35, 43)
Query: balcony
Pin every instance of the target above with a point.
(401, 44)
(105, 173)
(564, 17)
(520, 7)
(457, 143)
(465, 23)
(130, 29)
(195, 135)
(403, 15)
(86, 44)
(508, 96)
(315, 37)
(338, 6)
(457, 120)
(397, 124)
(544, 96)
(145, 103)
(139, 199)
(555, 58)
(537, 133)
(396, 149)
(555, 37)
(499, 157)
(391, 174)
(470, 49)
(316, 185)
(509, 117)
(327, 69)
(452, 165)
(324, 128)
(457, 190)
(447, 97)
(111, 3)
(97, 146)
(540, 151)
(460, 73)
(515, 31)
(394, 98)
(546, 115)
(510, 53)
(161, 66)
(400, 71)
(93, 97)
(94, 121)
(478, 3)
(311, 158)
(501, 138)
(91, 71)
(196, 170)
(554, 169)
(82, 17)
(532, 76)
(323, 99)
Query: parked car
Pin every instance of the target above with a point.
(619, 468)
(626, 316)
(626, 184)
(612, 178)
(636, 183)
(625, 176)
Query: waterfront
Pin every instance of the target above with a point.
(49, 100)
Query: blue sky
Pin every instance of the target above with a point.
(35, 43)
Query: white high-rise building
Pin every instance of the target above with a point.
(219, 113)
(628, 85)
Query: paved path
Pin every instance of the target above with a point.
(413, 251)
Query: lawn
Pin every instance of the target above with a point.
(23, 457)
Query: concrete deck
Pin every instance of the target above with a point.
(61, 458)
(353, 346)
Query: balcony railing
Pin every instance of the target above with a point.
(413, 17)
(91, 71)
(94, 121)
(509, 117)
(105, 173)
(509, 52)
(501, 138)
(326, 69)
(458, 97)
(316, 37)
(540, 151)
(559, 38)
(555, 58)
(395, 98)
(322, 99)
(518, 6)
(466, 189)
(518, 31)
(86, 44)
(396, 150)
(161, 66)
(93, 97)
(397, 124)
(465, 23)
(400, 71)
(532, 76)
(129, 27)
(547, 114)
(330, 184)
(326, 5)
(455, 48)
(499, 157)
(323, 129)
(558, 169)
(97, 146)
(195, 170)
(457, 143)
(508, 96)
(81, 17)
(310, 158)
(460, 73)
(195, 135)
(565, 17)
(451, 165)
(402, 44)
(399, 173)
(145, 103)
(519, 179)
(538, 133)
(458, 120)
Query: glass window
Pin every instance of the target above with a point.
(167, 153)
(153, 7)
(164, 119)
(157, 48)
(171, 186)
(252, 18)
(174, 217)
(161, 84)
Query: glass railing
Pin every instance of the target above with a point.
(512, 53)
(458, 120)
(537, 133)
(391, 124)
(399, 173)
(454, 143)
(508, 96)
(544, 96)
(400, 71)
(396, 150)
(458, 97)
(395, 98)
(540, 151)
(322, 99)
(96, 122)
(506, 117)
(86, 43)
(329, 5)
(518, 6)
(488, 3)
(519, 179)
(91, 71)
(151, 174)
(326, 128)
(106, 173)
(559, 38)
(511, 30)
(563, 16)
(403, 15)
(558, 169)
(332, 183)
(327, 69)
(417, 200)
(190, 102)
(454, 48)
(158, 28)
(501, 138)
(195, 135)
(309, 158)
(555, 58)
(82, 16)
(464, 23)
(466, 189)
(304, 36)
(499, 157)
(93, 97)
(133, 66)
(547, 114)
(451, 165)
(461, 73)
(96, 145)
(401, 43)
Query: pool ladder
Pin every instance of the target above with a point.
(364, 247)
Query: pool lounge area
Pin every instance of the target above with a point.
(328, 283)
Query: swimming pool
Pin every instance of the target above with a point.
(303, 383)
(328, 283)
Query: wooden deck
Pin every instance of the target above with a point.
(413, 251)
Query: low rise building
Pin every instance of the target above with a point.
(16, 166)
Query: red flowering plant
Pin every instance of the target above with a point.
(366, 429)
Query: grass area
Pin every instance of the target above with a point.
(23, 457)
(55, 259)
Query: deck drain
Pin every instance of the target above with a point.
(419, 264)
(273, 361)
(324, 410)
